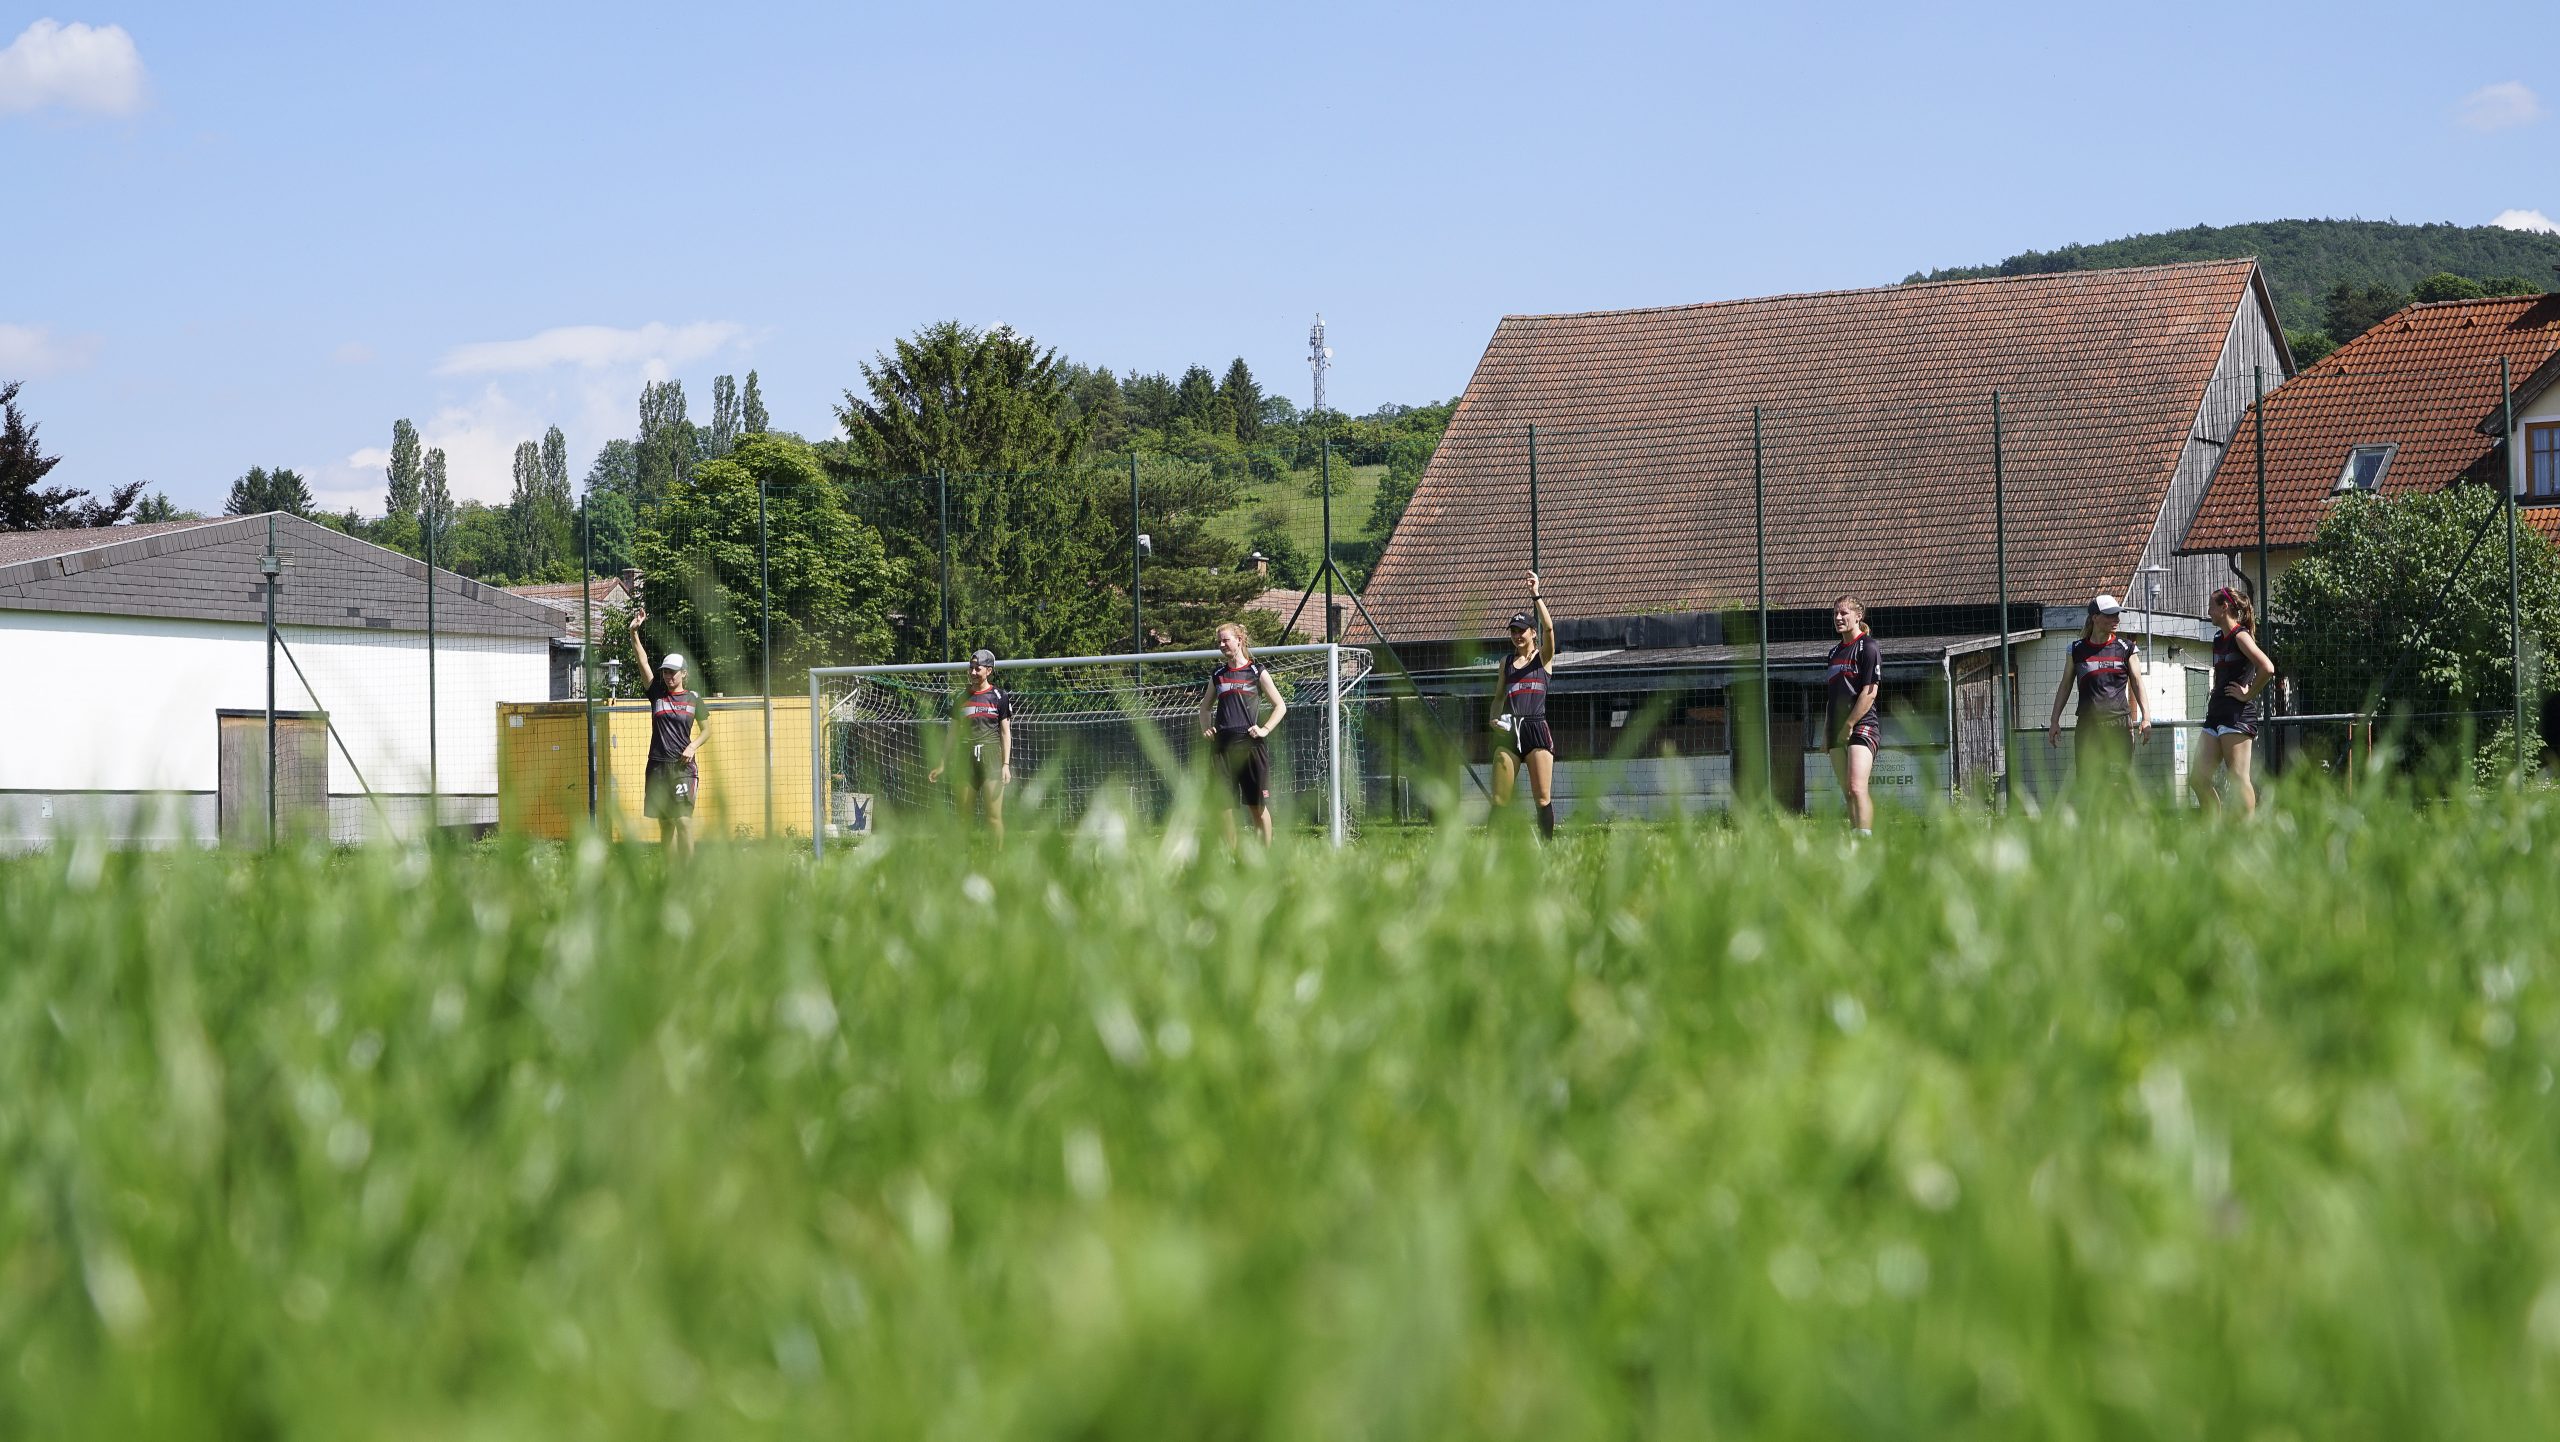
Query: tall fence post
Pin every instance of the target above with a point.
(2515, 599)
(764, 610)
(942, 485)
(1326, 461)
(1137, 567)
(435, 788)
(1533, 495)
(269, 566)
(2000, 738)
(2266, 602)
(587, 643)
(1760, 564)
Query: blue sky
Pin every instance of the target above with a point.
(254, 235)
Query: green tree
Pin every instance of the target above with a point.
(1195, 399)
(1100, 407)
(1029, 527)
(1242, 397)
(832, 581)
(402, 476)
(26, 505)
(157, 507)
(666, 446)
(2375, 603)
(2445, 285)
(752, 419)
(617, 531)
(2350, 310)
(435, 494)
(260, 490)
(1407, 456)
(1151, 400)
(725, 420)
(1195, 579)
(538, 519)
(2308, 346)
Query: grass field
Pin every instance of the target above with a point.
(2142, 1129)
(1355, 490)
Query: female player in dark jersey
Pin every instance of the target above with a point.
(1855, 727)
(2113, 713)
(1523, 712)
(982, 757)
(2240, 671)
(1226, 719)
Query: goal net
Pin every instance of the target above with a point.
(1121, 732)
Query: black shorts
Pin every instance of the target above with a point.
(1869, 732)
(1532, 733)
(670, 791)
(1243, 759)
(2228, 716)
(2103, 743)
(977, 765)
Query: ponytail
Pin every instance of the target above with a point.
(2238, 607)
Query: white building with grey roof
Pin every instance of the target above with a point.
(139, 661)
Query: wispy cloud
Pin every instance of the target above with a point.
(2525, 220)
(32, 350)
(92, 69)
(654, 347)
(2502, 106)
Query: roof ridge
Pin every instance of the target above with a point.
(1896, 288)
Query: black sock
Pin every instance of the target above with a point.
(1547, 821)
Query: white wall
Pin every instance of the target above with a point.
(126, 703)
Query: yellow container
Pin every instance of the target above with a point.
(542, 769)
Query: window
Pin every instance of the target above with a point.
(2542, 461)
(2364, 468)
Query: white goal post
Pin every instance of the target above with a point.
(1084, 727)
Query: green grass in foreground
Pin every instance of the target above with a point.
(2150, 1130)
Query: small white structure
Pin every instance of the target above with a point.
(128, 647)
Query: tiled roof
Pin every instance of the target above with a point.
(2421, 380)
(16, 546)
(572, 599)
(1876, 444)
(1282, 602)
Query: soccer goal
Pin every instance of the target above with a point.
(1116, 731)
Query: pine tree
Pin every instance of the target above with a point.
(1243, 398)
(1196, 398)
(400, 497)
(724, 417)
(555, 466)
(753, 418)
(260, 490)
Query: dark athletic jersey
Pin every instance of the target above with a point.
(1856, 664)
(673, 717)
(1524, 688)
(2105, 673)
(2230, 663)
(986, 711)
(1239, 693)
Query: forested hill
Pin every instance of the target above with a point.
(2307, 260)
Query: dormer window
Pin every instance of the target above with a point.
(2364, 468)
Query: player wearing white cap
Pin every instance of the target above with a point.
(2112, 713)
(678, 725)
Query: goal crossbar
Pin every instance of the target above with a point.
(820, 796)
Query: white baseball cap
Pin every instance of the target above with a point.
(2106, 605)
(672, 661)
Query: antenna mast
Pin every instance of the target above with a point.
(1319, 358)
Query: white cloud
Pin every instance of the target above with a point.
(654, 347)
(2502, 106)
(32, 350)
(2525, 220)
(76, 67)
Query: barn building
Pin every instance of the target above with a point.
(1855, 430)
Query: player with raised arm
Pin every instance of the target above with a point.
(1227, 720)
(986, 713)
(2240, 671)
(2112, 713)
(678, 725)
(1521, 711)
(1854, 728)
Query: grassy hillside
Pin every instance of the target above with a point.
(2024, 1131)
(2304, 258)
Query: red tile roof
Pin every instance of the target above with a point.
(1876, 443)
(2421, 380)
